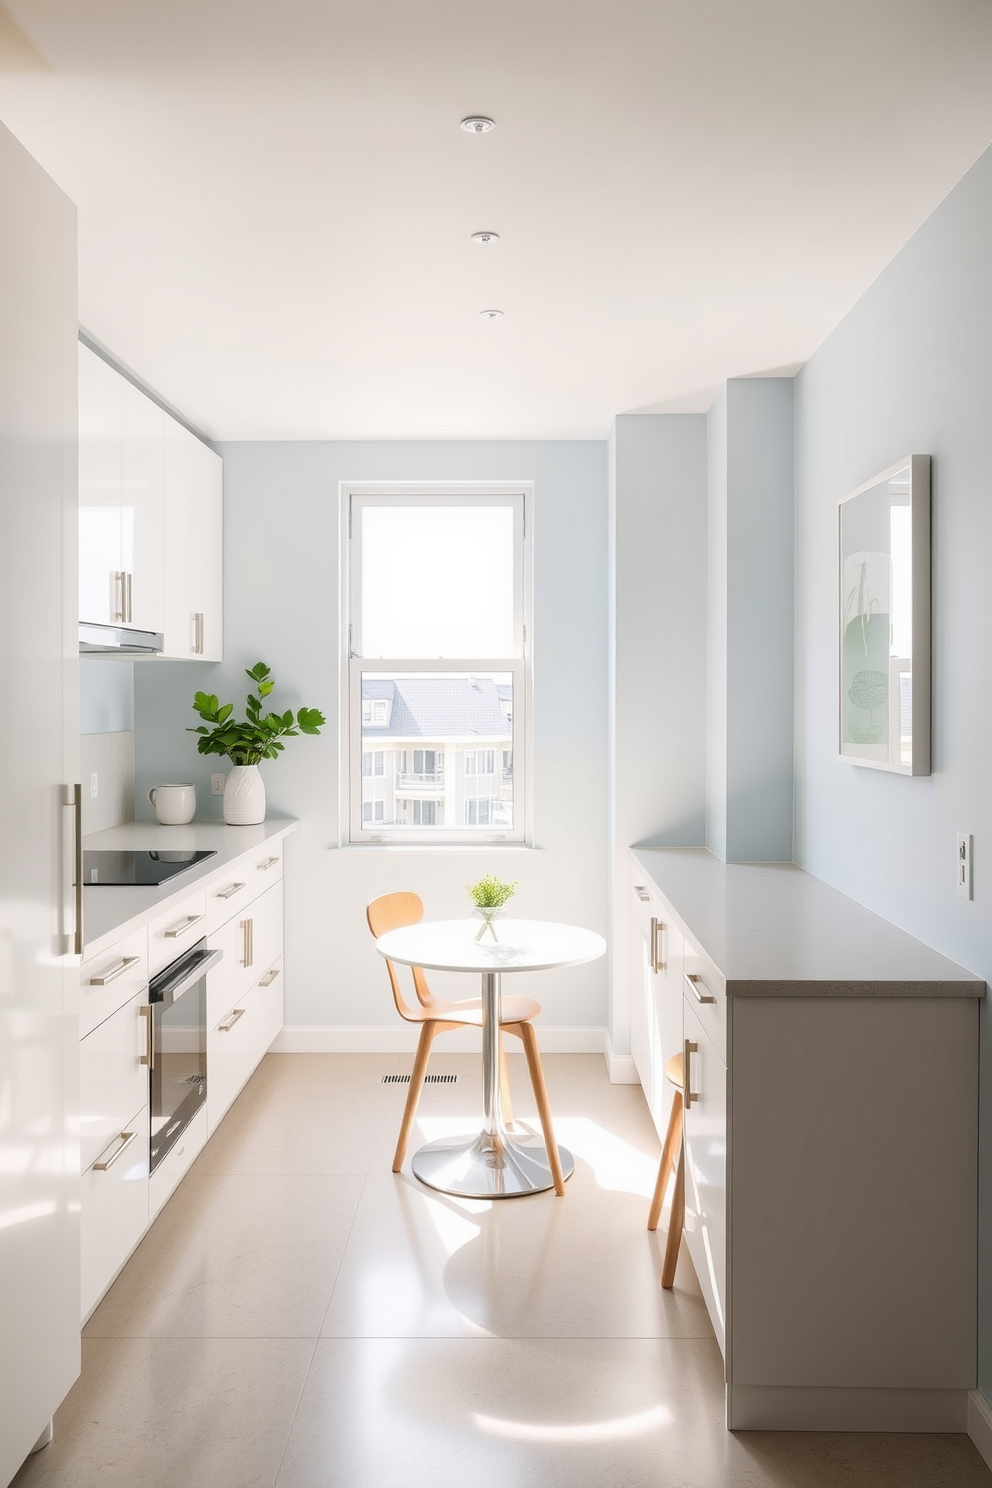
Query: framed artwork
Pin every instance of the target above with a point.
(884, 673)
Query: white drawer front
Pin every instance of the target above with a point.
(266, 1016)
(111, 979)
(172, 1168)
(113, 1208)
(705, 990)
(112, 1079)
(230, 894)
(228, 1062)
(266, 866)
(176, 929)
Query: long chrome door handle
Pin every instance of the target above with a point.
(694, 982)
(77, 864)
(123, 965)
(120, 596)
(228, 1023)
(149, 1055)
(228, 893)
(688, 1049)
(183, 927)
(102, 1164)
(130, 598)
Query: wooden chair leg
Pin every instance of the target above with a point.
(529, 1039)
(675, 1227)
(504, 1084)
(427, 1033)
(673, 1144)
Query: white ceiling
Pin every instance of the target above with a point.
(275, 201)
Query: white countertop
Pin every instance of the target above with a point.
(774, 930)
(111, 911)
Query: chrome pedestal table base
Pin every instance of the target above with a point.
(492, 1165)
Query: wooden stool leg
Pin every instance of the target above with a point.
(504, 1085)
(673, 1142)
(675, 1228)
(529, 1038)
(413, 1094)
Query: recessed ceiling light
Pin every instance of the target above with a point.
(485, 237)
(478, 124)
(490, 314)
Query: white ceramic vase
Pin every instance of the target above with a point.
(244, 796)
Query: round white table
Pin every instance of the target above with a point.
(492, 1165)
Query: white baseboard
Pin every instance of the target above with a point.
(401, 1038)
(788, 1408)
(621, 1067)
(980, 1424)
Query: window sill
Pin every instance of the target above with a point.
(437, 847)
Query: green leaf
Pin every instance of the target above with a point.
(265, 688)
(225, 712)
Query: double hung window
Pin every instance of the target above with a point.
(436, 626)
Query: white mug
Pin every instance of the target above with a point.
(174, 804)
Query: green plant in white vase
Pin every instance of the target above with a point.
(489, 896)
(247, 742)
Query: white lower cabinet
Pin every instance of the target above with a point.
(228, 1062)
(266, 1012)
(705, 1157)
(656, 1000)
(174, 1167)
(113, 1208)
(113, 1079)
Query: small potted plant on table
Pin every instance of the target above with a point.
(489, 896)
(246, 743)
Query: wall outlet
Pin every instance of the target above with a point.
(964, 865)
(94, 786)
(217, 783)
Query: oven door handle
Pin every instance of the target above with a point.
(200, 969)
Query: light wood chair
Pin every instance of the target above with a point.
(390, 912)
(672, 1151)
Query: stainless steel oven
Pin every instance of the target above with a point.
(177, 1051)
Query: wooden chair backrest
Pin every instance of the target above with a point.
(392, 912)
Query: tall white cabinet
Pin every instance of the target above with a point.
(193, 547)
(39, 1155)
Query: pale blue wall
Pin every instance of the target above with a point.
(281, 541)
(909, 370)
(106, 695)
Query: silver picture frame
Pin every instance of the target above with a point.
(884, 620)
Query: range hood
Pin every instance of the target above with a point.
(118, 639)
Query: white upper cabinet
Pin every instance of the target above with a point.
(120, 500)
(101, 576)
(193, 547)
(142, 472)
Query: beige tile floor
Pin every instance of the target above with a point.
(298, 1317)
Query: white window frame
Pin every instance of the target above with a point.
(355, 496)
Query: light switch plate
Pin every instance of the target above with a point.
(964, 865)
(94, 786)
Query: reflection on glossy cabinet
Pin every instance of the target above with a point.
(656, 1000)
(142, 495)
(114, 1207)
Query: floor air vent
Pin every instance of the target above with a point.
(429, 1080)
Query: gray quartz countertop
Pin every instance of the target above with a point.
(774, 930)
(111, 911)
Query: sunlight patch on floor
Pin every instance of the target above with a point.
(621, 1428)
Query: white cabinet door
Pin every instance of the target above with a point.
(266, 1012)
(209, 553)
(228, 1062)
(142, 487)
(180, 540)
(113, 1208)
(101, 572)
(113, 1080)
(265, 931)
(706, 1167)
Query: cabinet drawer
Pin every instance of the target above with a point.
(111, 979)
(705, 1157)
(265, 932)
(228, 981)
(266, 1012)
(113, 1208)
(705, 989)
(112, 1079)
(228, 1062)
(171, 1169)
(267, 865)
(176, 929)
(229, 895)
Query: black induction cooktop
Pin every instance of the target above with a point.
(142, 868)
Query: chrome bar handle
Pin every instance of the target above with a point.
(226, 1024)
(688, 1049)
(123, 965)
(120, 596)
(149, 1055)
(183, 926)
(251, 942)
(228, 893)
(269, 977)
(642, 893)
(246, 945)
(694, 982)
(77, 853)
(269, 863)
(657, 926)
(130, 597)
(125, 1139)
